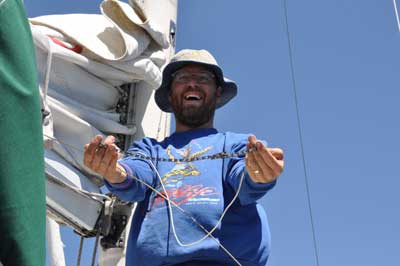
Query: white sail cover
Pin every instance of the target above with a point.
(83, 59)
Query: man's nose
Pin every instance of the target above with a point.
(192, 83)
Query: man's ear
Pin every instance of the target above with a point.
(218, 93)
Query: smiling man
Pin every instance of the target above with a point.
(197, 190)
(193, 107)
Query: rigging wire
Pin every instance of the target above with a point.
(78, 263)
(300, 130)
(397, 14)
(96, 244)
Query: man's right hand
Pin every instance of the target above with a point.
(102, 159)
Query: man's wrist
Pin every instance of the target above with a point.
(120, 175)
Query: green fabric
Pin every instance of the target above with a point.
(22, 180)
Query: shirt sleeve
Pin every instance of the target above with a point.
(238, 177)
(137, 169)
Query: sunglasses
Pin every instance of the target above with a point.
(183, 77)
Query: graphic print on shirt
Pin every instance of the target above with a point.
(176, 183)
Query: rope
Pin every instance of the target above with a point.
(219, 155)
(300, 131)
(397, 14)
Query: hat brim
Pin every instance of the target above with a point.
(229, 88)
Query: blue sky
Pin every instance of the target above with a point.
(346, 59)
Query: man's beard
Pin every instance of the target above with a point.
(194, 117)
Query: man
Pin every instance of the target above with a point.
(182, 184)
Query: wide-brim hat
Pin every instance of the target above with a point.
(198, 57)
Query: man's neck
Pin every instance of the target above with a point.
(182, 127)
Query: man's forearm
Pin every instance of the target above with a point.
(120, 175)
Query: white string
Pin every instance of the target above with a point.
(397, 14)
(159, 126)
(213, 229)
(208, 233)
(48, 69)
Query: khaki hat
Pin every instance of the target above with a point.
(188, 57)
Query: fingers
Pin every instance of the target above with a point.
(109, 140)
(252, 140)
(90, 149)
(277, 153)
(106, 162)
(260, 173)
(110, 172)
(98, 155)
(103, 154)
(275, 165)
(263, 164)
(251, 145)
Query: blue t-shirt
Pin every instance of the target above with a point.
(203, 189)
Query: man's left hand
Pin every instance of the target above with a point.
(263, 164)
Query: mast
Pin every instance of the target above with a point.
(154, 122)
(73, 117)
